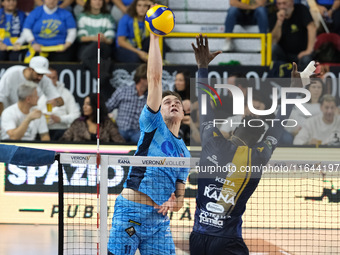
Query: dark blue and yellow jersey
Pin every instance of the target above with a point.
(227, 177)
(228, 174)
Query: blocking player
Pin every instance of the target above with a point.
(222, 196)
(139, 219)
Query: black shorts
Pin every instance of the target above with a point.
(201, 244)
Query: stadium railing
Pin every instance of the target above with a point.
(266, 41)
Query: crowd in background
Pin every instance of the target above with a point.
(61, 31)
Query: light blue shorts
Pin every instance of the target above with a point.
(139, 226)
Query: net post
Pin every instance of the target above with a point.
(103, 204)
(60, 206)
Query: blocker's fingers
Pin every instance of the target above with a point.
(197, 41)
(193, 46)
(206, 41)
(201, 40)
(216, 53)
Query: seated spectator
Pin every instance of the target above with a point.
(65, 4)
(189, 130)
(293, 32)
(316, 89)
(84, 128)
(132, 35)
(79, 7)
(130, 100)
(93, 21)
(330, 12)
(35, 72)
(323, 128)
(327, 48)
(26, 5)
(59, 118)
(22, 121)
(11, 25)
(245, 12)
(119, 8)
(50, 25)
(182, 84)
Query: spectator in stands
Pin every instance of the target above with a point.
(182, 84)
(245, 12)
(132, 35)
(50, 25)
(330, 11)
(85, 128)
(316, 88)
(65, 4)
(11, 25)
(93, 21)
(26, 5)
(323, 128)
(189, 129)
(293, 32)
(22, 121)
(119, 8)
(60, 118)
(35, 72)
(130, 100)
(80, 4)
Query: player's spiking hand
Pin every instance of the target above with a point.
(202, 54)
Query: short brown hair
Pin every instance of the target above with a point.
(131, 11)
(171, 93)
(327, 98)
(140, 73)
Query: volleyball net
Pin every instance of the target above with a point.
(294, 210)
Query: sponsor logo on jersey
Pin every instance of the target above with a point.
(213, 207)
(225, 194)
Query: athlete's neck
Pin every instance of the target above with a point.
(173, 127)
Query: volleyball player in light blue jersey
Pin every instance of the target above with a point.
(139, 219)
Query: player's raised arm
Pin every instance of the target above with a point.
(274, 132)
(154, 74)
(203, 57)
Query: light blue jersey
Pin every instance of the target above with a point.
(156, 140)
(139, 226)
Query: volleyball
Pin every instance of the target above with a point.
(160, 20)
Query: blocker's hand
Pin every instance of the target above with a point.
(202, 54)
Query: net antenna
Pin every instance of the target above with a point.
(98, 152)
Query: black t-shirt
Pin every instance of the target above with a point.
(294, 36)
